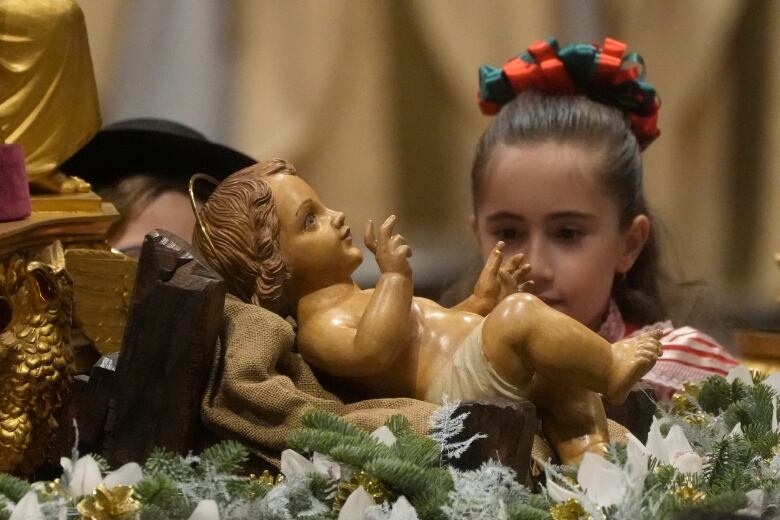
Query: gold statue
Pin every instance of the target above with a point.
(277, 245)
(48, 97)
(35, 354)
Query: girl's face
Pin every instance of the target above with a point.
(548, 200)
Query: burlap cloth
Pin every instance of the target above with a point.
(259, 388)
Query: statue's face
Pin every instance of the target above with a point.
(315, 241)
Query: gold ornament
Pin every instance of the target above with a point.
(50, 103)
(54, 489)
(116, 503)
(684, 404)
(569, 510)
(373, 487)
(689, 494)
(265, 480)
(103, 284)
(36, 357)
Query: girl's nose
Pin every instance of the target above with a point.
(542, 270)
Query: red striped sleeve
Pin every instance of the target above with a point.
(688, 355)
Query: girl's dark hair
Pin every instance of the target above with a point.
(534, 117)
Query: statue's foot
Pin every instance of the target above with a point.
(631, 359)
(58, 182)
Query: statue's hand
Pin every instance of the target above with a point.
(391, 251)
(497, 281)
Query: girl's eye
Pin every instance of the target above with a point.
(506, 234)
(569, 234)
(309, 221)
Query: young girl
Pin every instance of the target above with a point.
(557, 175)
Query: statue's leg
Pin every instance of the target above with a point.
(523, 336)
(573, 419)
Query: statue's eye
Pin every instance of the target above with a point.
(309, 221)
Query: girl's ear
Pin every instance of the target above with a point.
(633, 242)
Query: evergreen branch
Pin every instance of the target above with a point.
(319, 419)
(152, 512)
(423, 450)
(528, 512)
(225, 457)
(166, 462)
(357, 455)
(160, 491)
(400, 426)
(715, 394)
(12, 487)
(309, 440)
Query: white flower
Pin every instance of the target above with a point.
(129, 474)
(773, 381)
(690, 463)
(559, 493)
(384, 435)
(403, 510)
(604, 483)
(206, 510)
(84, 476)
(755, 505)
(636, 463)
(27, 508)
(740, 372)
(326, 466)
(294, 463)
(355, 506)
(674, 449)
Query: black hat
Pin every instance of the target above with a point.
(164, 149)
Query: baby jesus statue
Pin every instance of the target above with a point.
(265, 230)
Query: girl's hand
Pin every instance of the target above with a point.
(497, 281)
(391, 251)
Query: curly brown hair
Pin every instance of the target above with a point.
(244, 247)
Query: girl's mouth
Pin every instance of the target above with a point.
(347, 234)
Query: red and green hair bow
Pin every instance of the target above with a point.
(603, 73)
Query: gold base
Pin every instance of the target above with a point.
(41, 228)
(79, 202)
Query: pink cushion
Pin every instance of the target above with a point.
(14, 189)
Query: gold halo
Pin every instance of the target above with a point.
(211, 180)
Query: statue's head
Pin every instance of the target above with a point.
(266, 232)
(243, 229)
